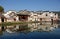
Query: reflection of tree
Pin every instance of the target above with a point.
(1, 33)
(1, 29)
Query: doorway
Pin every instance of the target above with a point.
(51, 21)
(2, 19)
(40, 19)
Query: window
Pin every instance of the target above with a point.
(46, 15)
(40, 13)
(35, 15)
(55, 13)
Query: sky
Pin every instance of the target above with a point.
(32, 5)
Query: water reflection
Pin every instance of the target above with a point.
(26, 28)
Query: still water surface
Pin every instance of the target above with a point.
(31, 31)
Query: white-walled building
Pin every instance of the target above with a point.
(10, 16)
(28, 16)
(45, 16)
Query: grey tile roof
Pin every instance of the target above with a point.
(24, 13)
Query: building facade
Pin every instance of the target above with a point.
(24, 15)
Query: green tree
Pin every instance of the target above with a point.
(1, 9)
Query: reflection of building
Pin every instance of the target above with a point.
(25, 15)
(25, 28)
(43, 27)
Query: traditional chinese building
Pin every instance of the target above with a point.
(23, 15)
(28, 16)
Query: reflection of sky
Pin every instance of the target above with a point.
(33, 35)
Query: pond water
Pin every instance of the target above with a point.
(31, 31)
